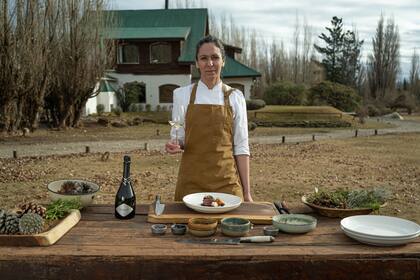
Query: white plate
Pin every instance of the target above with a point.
(378, 237)
(195, 200)
(380, 226)
(378, 241)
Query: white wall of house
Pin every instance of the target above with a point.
(247, 82)
(153, 82)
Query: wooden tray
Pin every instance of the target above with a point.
(177, 212)
(47, 238)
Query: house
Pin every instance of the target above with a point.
(157, 49)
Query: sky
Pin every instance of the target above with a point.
(277, 18)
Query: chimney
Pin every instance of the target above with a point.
(166, 4)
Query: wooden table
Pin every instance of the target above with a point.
(102, 247)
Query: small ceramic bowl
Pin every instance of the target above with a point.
(294, 223)
(271, 231)
(202, 224)
(178, 229)
(202, 233)
(159, 229)
(235, 226)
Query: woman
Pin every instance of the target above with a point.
(215, 141)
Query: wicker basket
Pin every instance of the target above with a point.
(336, 212)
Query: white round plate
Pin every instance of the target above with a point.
(195, 200)
(380, 226)
(376, 240)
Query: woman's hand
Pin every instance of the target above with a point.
(173, 148)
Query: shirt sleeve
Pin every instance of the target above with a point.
(178, 114)
(240, 124)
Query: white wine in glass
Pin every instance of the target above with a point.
(176, 121)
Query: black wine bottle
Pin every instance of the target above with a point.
(125, 200)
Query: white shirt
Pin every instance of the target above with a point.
(215, 96)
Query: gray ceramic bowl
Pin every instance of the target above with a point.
(294, 223)
(159, 229)
(85, 198)
(178, 229)
(235, 226)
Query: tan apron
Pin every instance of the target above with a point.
(207, 163)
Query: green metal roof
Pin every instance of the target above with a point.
(234, 68)
(148, 33)
(160, 20)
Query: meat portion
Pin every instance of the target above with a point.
(210, 201)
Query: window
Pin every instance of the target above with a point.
(129, 54)
(160, 53)
(166, 93)
(238, 86)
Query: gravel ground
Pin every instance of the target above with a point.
(6, 150)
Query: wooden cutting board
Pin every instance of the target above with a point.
(177, 212)
(47, 238)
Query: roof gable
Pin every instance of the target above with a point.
(170, 23)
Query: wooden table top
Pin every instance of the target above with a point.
(101, 238)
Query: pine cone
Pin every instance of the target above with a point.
(32, 207)
(31, 223)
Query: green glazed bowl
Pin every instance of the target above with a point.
(294, 223)
(235, 226)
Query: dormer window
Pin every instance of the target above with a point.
(129, 53)
(160, 53)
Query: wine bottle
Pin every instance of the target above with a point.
(125, 200)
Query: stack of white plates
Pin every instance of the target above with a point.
(380, 230)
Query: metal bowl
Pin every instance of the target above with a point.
(85, 198)
(178, 229)
(159, 229)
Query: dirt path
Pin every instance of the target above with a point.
(6, 150)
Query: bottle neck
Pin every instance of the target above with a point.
(126, 172)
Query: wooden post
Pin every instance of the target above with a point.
(157, 132)
(355, 133)
(146, 146)
(87, 149)
(283, 139)
(15, 155)
(376, 132)
(313, 137)
(255, 114)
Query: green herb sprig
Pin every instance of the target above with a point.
(60, 208)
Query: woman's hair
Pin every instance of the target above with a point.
(210, 39)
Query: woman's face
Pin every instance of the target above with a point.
(210, 61)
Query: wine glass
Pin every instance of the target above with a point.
(176, 120)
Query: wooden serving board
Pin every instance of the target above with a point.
(177, 212)
(47, 238)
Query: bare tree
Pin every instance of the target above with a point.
(414, 82)
(384, 61)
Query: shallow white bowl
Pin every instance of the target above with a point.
(380, 226)
(86, 199)
(195, 200)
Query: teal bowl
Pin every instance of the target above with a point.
(294, 223)
(235, 226)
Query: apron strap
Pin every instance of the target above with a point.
(193, 93)
(226, 93)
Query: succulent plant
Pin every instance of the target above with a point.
(31, 223)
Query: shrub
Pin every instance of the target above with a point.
(255, 104)
(141, 107)
(252, 126)
(158, 108)
(117, 111)
(285, 93)
(100, 109)
(164, 108)
(134, 107)
(148, 107)
(337, 95)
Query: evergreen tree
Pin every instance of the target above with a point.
(341, 54)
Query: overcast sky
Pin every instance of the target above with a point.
(276, 18)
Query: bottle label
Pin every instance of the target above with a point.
(124, 209)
